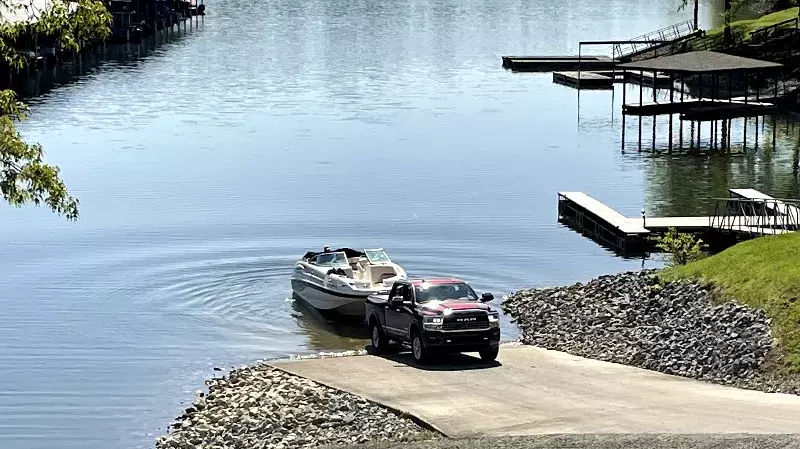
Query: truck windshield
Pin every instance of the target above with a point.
(433, 292)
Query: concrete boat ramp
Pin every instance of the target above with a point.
(533, 391)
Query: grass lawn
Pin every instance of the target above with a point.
(743, 28)
(762, 273)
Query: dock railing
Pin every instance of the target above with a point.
(647, 41)
(756, 216)
(763, 34)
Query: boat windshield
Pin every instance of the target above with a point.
(377, 255)
(331, 259)
(456, 290)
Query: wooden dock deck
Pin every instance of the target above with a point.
(604, 224)
(557, 63)
(583, 80)
(700, 109)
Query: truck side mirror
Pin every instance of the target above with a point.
(486, 297)
(396, 301)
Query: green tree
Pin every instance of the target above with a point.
(24, 176)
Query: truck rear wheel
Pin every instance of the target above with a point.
(489, 354)
(379, 342)
(418, 349)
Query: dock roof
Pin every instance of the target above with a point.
(700, 62)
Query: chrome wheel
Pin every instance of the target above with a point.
(416, 346)
(376, 337)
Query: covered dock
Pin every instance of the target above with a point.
(723, 87)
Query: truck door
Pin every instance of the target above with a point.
(398, 318)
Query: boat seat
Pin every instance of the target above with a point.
(378, 273)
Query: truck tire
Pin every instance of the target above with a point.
(378, 338)
(418, 350)
(489, 354)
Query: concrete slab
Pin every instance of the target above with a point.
(532, 391)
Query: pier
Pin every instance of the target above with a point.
(584, 80)
(747, 213)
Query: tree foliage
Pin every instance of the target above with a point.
(24, 176)
(681, 248)
(737, 5)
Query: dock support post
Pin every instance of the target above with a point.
(700, 90)
(624, 89)
(714, 82)
(744, 133)
(680, 135)
(730, 88)
(756, 146)
(746, 86)
(712, 131)
(640, 133)
(641, 97)
(671, 98)
(699, 130)
(775, 96)
(724, 136)
(653, 148)
(654, 85)
(774, 131)
(641, 92)
(758, 86)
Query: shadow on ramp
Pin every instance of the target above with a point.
(442, 362)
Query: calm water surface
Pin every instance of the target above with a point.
(207, 166)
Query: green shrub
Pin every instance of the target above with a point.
(681, 248)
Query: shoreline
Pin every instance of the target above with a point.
(633, 318)
(259, 406)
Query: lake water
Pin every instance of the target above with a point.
(206, 166)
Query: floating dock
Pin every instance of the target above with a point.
(556, 63)
(583, 80)
(748, 213)
(700, 109)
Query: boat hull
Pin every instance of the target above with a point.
(329, 300)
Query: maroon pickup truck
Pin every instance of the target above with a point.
(433, 315)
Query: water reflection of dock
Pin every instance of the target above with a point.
(747, 213)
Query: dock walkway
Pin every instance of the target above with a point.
(604, 224)
(583, 80)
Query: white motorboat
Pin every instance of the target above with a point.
(340, 280)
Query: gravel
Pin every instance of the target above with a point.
(262, 407)
(633, 318)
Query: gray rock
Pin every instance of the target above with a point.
(633, 318)
(260, 407)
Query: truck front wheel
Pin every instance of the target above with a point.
(418, 349)
(489, 354)
(379, 342)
